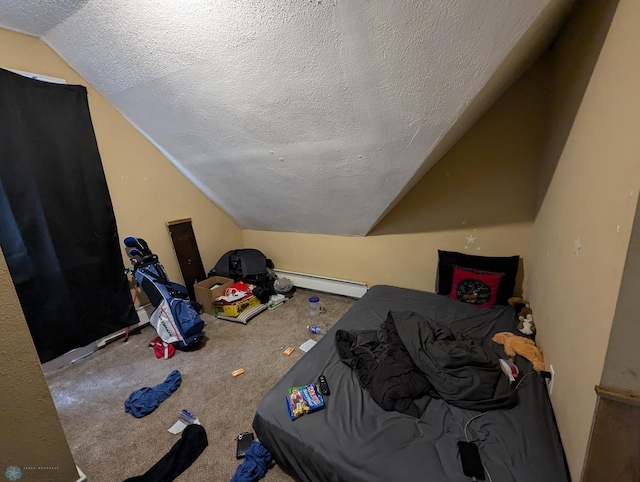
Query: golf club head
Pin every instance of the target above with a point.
(137, 243)
(133, 252)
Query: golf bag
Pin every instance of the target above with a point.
(174, 317)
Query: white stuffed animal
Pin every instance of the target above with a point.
(526, 325)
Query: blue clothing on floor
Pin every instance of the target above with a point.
(144, 401)
(255, 464)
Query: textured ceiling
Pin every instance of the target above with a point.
(297, 115)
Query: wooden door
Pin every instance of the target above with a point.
(184, 243)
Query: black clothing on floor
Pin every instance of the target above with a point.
(179, 458)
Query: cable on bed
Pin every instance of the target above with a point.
(466, 435)
(522, 380)
(488, 474)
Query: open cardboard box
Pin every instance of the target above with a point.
(208, 290)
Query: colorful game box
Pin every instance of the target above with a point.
(303, 400)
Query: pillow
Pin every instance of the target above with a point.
(476, 287)
(495, 264)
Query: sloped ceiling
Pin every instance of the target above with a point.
(296, 115)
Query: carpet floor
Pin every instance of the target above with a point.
(110, 445)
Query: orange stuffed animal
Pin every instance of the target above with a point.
(519, 345)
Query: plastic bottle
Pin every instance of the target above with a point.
(315, 329)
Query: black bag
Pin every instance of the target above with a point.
(250, 266)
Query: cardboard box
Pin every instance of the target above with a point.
(206, 291)
(235, 308)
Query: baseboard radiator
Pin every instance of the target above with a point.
(353, 289)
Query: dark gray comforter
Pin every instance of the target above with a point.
(412, 358)
(353, 439)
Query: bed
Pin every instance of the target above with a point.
(354, 439)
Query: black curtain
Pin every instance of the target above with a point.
(57, 226)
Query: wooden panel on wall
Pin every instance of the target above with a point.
(615, 439)
(186, 247)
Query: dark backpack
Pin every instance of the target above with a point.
(250, 266)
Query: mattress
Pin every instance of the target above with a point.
(354, 439)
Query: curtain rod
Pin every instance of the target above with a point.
(44, 78)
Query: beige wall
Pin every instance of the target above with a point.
(485, 186)
(31, 434)
(490, 175)
(590, 200)
(146, 189)
(406, 260)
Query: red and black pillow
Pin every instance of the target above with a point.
(506, 266)
(474, 286)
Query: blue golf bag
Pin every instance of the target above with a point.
(174, 317)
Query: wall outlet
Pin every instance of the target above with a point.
(550, 380)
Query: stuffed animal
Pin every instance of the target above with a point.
(519, 345)
(526, 325)
(525, 311)
(516, 300)
(525, 315)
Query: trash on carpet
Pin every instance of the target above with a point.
(185, 418)
(308, 345)
(288, 351)
(237, 372)
(276, 300)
